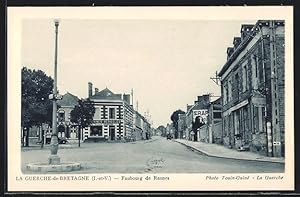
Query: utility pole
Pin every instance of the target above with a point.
(216, 79)
(274, 92)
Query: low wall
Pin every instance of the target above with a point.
(259, 143)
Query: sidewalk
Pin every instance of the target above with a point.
(221, 151)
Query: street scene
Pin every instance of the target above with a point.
(157, 155)
(153, 97)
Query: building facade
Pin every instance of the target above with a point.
(211, 131)
(113, 118)
(182, 126)
(199, 112)
(128, 117)
(252, 87)
(142, 127)
(138, 126)
(65, 128)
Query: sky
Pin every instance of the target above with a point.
(167, 63)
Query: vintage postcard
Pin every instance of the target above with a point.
(150, 98)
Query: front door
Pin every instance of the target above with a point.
(112, 132)
(61, 131)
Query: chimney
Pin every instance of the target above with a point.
(126, 98)
(236, 42)
(203, 100)
(246, 30)
(96, 90)
(90, 88)
(230, 51)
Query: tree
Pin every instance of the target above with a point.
(163, 130)
(82, 115)
(36, 107)
(174, 118)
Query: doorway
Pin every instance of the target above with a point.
(112, 132)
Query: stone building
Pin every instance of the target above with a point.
(198, 110)
(142, 128)
(138, 126)
(252, 86)
(211, 132)
(146, 129)
(128, 116)
(113, 118)
(65, 128)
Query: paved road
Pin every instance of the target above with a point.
(154, 156)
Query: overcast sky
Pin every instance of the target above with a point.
(168, 63)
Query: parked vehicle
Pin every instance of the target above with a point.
(62, 141)
(169, 137)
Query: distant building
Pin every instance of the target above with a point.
(252, 82)
(138, 126)
(211, 132)
(200, 111)
(142, 127)
(181, 125)
(65, 128)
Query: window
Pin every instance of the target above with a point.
(97, 114)
(237, 122)
(96, 131)
(61, 116)
(225, 90)
(112, 114)
(229, 91)
(254, 71)
(237, 88)
(245, 78)
(256, 67)
(217, 114)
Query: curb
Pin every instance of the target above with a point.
(217, 156)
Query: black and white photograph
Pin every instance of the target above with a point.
(153, 98)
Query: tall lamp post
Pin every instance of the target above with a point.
(54, 164)
(54, 158)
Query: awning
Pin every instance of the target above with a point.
(236, 107)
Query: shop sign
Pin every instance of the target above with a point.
(107, 122)
(202, 113)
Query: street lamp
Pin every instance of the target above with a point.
(54, 158)
(54, 164)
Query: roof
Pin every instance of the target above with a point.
(188, 107)
(217, 101)
(68, 100)
(255, 29)
(197, 106)
(106, 94)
